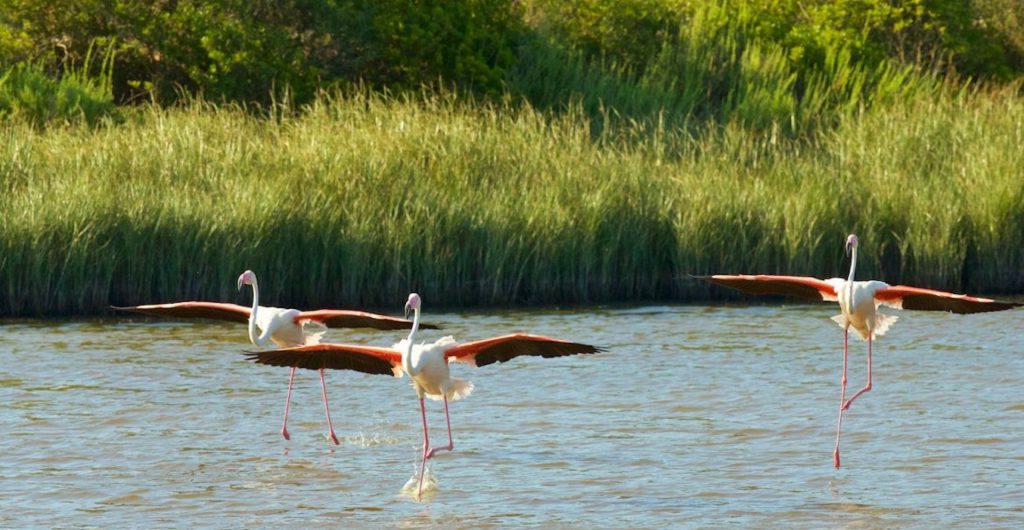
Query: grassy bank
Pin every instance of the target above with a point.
(361, 199)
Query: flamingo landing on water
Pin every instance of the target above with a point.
(858, 301)
(283, 327)
(426, 364)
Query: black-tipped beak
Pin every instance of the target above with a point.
(407, 311)
(239, 283)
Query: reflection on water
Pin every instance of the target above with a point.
(699, 415)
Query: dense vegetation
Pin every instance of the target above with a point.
(248, 50)
(577, 151)
(363, 198)
(252, 50)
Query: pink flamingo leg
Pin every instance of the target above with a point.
(330, 426)
(450, 445)
(426, 444)
(842, 400)
(867, 387)
(287, 402)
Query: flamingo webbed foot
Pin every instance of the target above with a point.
(434, 451)
(284, 433)
(848, 402)
(835, 459)
(333, 438)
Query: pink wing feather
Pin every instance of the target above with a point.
(332, 318)
(211, 310)
(341, 318)
(800, 286)
(501, 349)
(906, 297)
(366, 359)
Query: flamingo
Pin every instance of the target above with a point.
(283, 327)
(426, 364)
(858, 301)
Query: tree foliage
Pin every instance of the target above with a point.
(947, 34)
(247, 50)
(255, 50)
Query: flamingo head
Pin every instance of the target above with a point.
(247, 278)
(412, 305)
(851, 243)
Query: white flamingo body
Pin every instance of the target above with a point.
(858, 305)
(283, 327)
(430, 375)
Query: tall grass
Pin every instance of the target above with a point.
(363, 198)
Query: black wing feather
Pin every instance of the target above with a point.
(955, 305)
(504, 351)
(317, 360)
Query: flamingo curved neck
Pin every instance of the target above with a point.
(254, 336)
(853, 268)
(853, 264)
(407, 354)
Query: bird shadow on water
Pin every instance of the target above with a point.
(430, 485)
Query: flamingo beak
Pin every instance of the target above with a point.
(408, 309)
(244, 279)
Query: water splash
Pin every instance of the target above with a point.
(370, 440)
(430, 485)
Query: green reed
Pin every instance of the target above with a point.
(360, 199)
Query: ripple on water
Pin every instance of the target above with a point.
(703, 416)
(135, 498)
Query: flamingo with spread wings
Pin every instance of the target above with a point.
(858, 301)
(283, 327)
(426, 364)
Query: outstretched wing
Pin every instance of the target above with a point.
(211, 310)
(366, 359)
(340, 318)
(501, 349)
(799, 286)
(904, 297)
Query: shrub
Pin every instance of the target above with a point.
(243, 50)
(29, 94)
(971, 38)
(725, 63)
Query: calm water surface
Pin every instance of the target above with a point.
(697, 416)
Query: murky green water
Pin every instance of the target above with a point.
(697, 416)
